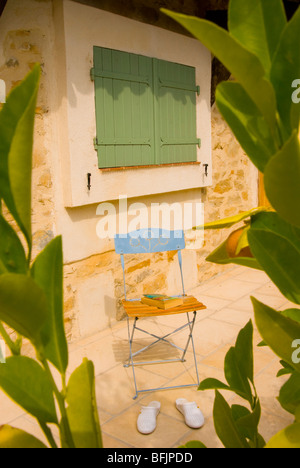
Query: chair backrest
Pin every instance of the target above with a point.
(150, 240)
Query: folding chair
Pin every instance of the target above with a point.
(151, 241)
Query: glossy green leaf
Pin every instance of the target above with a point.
(277, 331)
(281, 179)
(271, 221)
(26, 382)
(253, 25)
(286, 369)
(232, 220)
(13, 438)
(247, 422)
(289, 437)
(82, 409)
(193, 444)
(285, 69)
(23, 305)
(297, 414)
(225, 425)
(243, 241)
(47, 271)
(16, 142)
(293, 314)
(12, 254)
(244, 351)
(235, 375)
(238, 60)
(220, 256)
(279, 259)
(213, 384)
(289, 395)
(246, 122)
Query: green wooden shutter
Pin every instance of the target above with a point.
(145, 110)
(175, 112)
(124, 108)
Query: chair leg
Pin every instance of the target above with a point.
(191, 339)
(194, 351)
(190, 324)
(130, 359)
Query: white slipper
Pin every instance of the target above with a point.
(192, 414)
(146, 422)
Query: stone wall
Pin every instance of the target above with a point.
(23, 47)
(95, 283)
(234, 190)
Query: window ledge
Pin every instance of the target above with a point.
(150, 166)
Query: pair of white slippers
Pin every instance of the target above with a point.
(146, 422)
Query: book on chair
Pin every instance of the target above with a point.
(162, 301)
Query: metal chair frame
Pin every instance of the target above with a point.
(151, 241)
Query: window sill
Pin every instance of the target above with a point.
(126, 168)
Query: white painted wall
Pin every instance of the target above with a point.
(85, 27)
(77, 28)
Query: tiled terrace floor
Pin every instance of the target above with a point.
(228, 310)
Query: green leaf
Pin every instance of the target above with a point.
(193, 444)
(277, 331)
(82, 410)
(243, 241)
(220, 256)
(285, 69)
(286, 369)
(289, 395)
(271, 221)
(232, 220)
(13, 438)
(244, 351)
(16, 142)
(47, 271)
(235, 376)
(212, 384)
(225, 425)
(287, 438)
(247, 422)
(246, 122)
(281, 178)
(257, 25)
(297, 414)
(26, 382)
(23, 305)
(293, 314)
(12, 254)
(238, 60)
(279, 259)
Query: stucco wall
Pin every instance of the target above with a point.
(30, 32)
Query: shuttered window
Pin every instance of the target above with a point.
(145, 110)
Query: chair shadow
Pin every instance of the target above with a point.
(157, 352)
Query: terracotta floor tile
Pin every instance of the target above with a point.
(254, 276)
(234, 316)
(206, 434)
(230, 289)
(123, 427)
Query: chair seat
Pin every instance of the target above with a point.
(138, 309)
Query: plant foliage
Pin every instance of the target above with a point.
(31, 301)
(261, 49)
